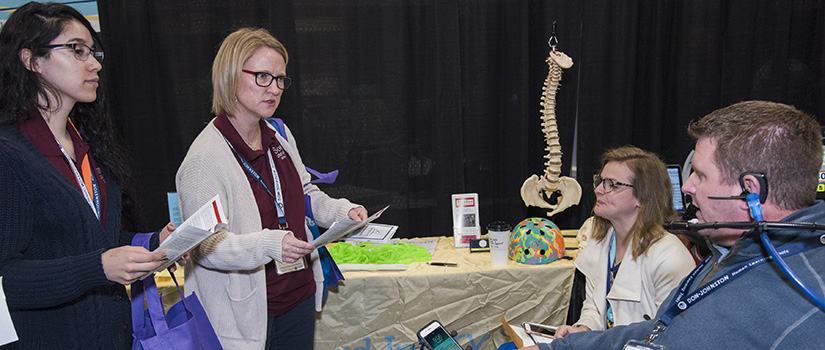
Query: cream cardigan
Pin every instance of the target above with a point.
(226, 271)
(641, 285)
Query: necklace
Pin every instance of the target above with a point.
(252, 144)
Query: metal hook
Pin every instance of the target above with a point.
(553, 41)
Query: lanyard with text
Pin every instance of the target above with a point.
(86, 181)
(682, 301)
(612, 270)
(611, 260)
(278, 196)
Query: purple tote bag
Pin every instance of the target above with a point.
(184, 327)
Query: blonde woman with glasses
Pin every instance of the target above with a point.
(630, 263)
(260, 280)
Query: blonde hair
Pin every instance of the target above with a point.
(651, 187)
(226, 69)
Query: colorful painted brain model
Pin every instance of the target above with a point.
(536, 241)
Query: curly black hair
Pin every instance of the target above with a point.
(32, 27)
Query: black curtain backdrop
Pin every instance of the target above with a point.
(414, 100)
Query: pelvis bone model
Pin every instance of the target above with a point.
(564, 191)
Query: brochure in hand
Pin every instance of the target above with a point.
(210, 218)
(344, 228)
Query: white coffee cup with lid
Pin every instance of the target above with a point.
(498, 232)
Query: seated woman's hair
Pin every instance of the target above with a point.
(651, 186)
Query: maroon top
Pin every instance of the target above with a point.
(285, 291)
(38, 132)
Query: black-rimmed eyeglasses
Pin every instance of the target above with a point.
(609, 184)
(81, 51)
(264, 79)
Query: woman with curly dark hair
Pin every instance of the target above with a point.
(63, 256)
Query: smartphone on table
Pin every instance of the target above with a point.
(539, 329)
(436, 337)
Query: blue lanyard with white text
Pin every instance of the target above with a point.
(611, 273)
(610, 262)
(681, 302)
(278, 196)
(93, 203)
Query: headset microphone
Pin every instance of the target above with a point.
(760, 227)
(763, 187)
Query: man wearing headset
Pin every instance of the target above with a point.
(737, 299)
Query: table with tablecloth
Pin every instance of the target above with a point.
(385, 309)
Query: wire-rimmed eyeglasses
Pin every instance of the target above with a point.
(608, 184)
(81, 51)
(264, 79)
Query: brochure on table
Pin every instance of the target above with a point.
(374, 233)
(465, 219)
(210, 218)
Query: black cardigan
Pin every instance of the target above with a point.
(50, 255)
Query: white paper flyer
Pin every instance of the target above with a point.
(7, 332)
(210, 218)
(465, 219)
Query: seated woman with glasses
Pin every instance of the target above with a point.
(630, 263)
(258, 279)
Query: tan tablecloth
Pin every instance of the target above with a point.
(384, 310)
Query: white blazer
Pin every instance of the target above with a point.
(641, 285)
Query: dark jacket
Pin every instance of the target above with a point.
(50, 255)
(761, 309)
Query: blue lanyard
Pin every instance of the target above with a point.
(611, 273)
(682, 301)
(278, 197)
(94, 203)
(610, 262)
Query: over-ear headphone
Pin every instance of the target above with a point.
(763, 185)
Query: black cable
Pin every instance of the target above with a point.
(761, 225)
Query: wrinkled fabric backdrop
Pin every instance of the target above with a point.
(413, 100)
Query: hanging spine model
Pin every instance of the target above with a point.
(536, 191)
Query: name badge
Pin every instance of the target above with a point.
(640, 345)
(285, 268)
